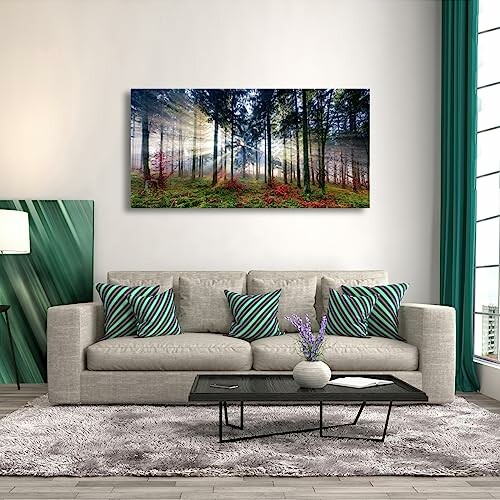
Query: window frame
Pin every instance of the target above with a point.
(480, 314)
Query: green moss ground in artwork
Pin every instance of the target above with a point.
(198, 193)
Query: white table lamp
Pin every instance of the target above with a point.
(14, 232)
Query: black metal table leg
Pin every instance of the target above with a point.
(387, 421)
(378, 439)
(220, 421)
(321, 419)
(224, 412)
(322, 427)
(12, 350)
(362, 407)
(240, 426)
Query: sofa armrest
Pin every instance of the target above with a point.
(70, 330)
(431, 328)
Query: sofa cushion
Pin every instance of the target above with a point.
(165, 281)
(376, 278)
(255, 316)
(155, 315)
(297, 297)
(203, 306)
(340, 353)
(383, 321)
(189, 351)
(348, 316)
(334, 283)
(170, 279)
(119, 318)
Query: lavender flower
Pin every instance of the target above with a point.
(310, 346)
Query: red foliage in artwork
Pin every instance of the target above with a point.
(286, 191)
(158, 161)
(269, 199)
(235, 185)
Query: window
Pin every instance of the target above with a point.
(487, 285)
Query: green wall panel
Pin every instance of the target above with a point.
(59, 270)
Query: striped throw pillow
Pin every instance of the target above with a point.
(255, 316)
(155, 314)
(119, 318)
(383, 321)
(348, 316)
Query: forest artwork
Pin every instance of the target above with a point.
(250, 148)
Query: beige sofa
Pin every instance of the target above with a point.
(84, 369)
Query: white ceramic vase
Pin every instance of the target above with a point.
(312, 374)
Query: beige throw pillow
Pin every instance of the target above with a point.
(165, 282)
(203, 307)
(336, 284)
(297, 297)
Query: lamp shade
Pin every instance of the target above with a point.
(14, 232)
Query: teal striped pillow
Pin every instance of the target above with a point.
(155, 315)
(119, 318)
(383, 321)
(348, 316)
(255, 316)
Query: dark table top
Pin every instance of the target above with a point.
(283, 388)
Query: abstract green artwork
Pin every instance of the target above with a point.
(59, 270)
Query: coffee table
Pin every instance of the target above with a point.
(282, 388)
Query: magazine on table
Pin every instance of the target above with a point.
(359, 382)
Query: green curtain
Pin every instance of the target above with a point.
(458, 176)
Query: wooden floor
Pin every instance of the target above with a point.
(240, 487)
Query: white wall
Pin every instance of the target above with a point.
(489, 376)
(66, 71)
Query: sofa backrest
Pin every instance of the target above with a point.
(134, 278)
(378, 277)
(165, 278)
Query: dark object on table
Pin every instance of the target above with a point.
(3, 310)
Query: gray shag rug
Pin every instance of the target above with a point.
(457, 439)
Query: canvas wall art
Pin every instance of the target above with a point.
(58, 270)
(250, 148)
